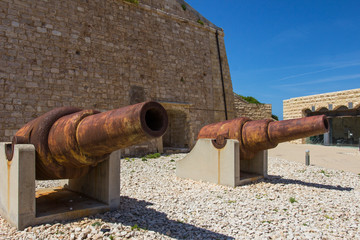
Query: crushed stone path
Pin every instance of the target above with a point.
(295, 202)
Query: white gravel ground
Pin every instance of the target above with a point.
(296, 202)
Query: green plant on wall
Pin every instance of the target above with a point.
(201, 22)
(133, 1)
(183, 7)
(249, 99)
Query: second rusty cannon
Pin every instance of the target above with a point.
(254, 136)
(234, 152)
(69, 141)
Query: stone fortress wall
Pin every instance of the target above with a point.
(298, 107)
(105, 54)
(251, 110)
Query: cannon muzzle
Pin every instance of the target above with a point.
(258, 135)
(68, 140)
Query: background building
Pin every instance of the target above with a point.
(112, 53)
(342, 109)
(251, 110)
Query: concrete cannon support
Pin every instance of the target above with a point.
(22, 206)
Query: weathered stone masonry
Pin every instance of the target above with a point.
(251, 110)
(106, 54)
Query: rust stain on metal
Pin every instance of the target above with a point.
(69, 141)
(254, 136)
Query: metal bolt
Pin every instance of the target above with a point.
(307, 157)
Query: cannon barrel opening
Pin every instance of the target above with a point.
(105, 132)
(154, 120)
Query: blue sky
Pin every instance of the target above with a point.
(282, 49)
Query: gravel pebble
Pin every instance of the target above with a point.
(295, 202)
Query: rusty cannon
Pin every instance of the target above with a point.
(254, 136)
(68, 140)
(79, 147)
(234, 152)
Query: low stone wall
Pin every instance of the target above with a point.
(251, 110)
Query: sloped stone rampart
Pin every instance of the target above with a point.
(108, 54)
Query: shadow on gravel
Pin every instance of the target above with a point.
(136, 213)
(279, 180)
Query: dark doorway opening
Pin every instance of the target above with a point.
(176, 138)
(344, 127)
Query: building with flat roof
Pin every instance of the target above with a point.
(342, 109)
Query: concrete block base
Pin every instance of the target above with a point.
(22, 206)
(221, 166)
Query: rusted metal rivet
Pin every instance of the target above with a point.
(219, 142)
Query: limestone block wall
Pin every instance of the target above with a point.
(296, 107)
(251, 110)
(105, 54)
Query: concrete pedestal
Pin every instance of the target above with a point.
(221, 166)
(20, 205)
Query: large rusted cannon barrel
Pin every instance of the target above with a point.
(258, 135)
(68, 140)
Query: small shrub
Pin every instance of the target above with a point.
(144, 159)
(183, 7)
(172, 160)
(292, 200)
(154, 155)
(231, 201)
(327, 217)
(133, 1)
(268, 221)
(135, 227)
(128, 159)
(96, 224)
(200, 22)
(249, 99)
(275, 117)
(325, 173)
